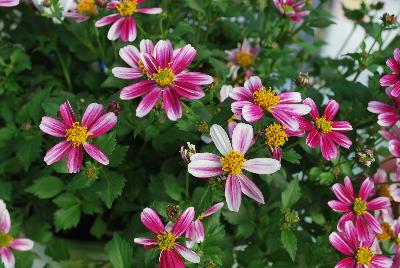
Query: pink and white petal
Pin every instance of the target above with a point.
(146, 46)
(127, 73)
(92, 113)
(172, 104)
(366, 189)
(107, 20)
(328, 148)
(163, 51)
(152, 221)
(314, 110)
(150, 10)
(197, 78)
(341, 126)
(340, 243)
(5, 221)
(241, 94)
(145, 241)
(341, 139)
(342, 193)
(251, 112)
(237, 107)
(348, 216)
(352, 236)
(205, 168)
(7, 258)
(349, 187)
(389, 79)
(187, 254)
(22, 244)
(346, 263)
(253, 84)
(394, 147)
(380, 261)
(286, 119)
(67, 114)
(52, 126)
(363, 229)
(198, 230)
(148, 102)
(103, 125)
(290, 97)
(233, 193)
(138, 89)
(250, 189)
(57, 152)
(220, 139)
(388, 119)
(149, 62)
(115, 30)
(378, 107)
(131, 55)
(9, 3)
(224, 92)
(96, 153)
(313, 138)
(378, 203)
(170, 259)
(183, 223)
(373, 223)
(242, 137)
(188, 91)
(183, 59)
(262, 165)
(331, 110)
(393, 65)
(396, 54)
(205, 157)
(295, 109)
(128, 30)
(245, 45)
(74, 159)
(339, 206)
(213, 209)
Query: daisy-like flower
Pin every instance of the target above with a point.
(7, 241)
(9, 3)
(393, 79)
(388, 115)
(386, 189)
(242, 57)
(292, 9)
(253, 100)
(356, 208)
(123, 25)
(359, 251)
(324, 132)
(82, 10)
(166, 240)
(168, 79)
(94, 124)
(195, 233)
(232, 163)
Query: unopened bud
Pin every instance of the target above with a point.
(114, 107)
(91, 171)
(186, 153)
(388, 19)
(173, 212)
(202, 127)
(302, 80)
(26, 126)
(210, 264)
(365, 158)
(292, 217)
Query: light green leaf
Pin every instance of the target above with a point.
(291, 194)
(110, 186)
(119, 252)
(46, 187)
(289, 242)
(67, 218)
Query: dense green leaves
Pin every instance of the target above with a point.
(119, 251)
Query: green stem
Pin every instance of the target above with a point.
(187, 184)
(99, 43)
(65, 70)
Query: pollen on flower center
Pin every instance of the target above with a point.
(5, 239)
(244, 59)
(288, 9)
(165, 241)
(359, 206)
(164, 77)
(387, 232)
(364, 255)
(77, 134)
(233, 162)
(87, 7)
(200, 217)
(323, 125)
(127, 7)
(266, 98)
(143, 69)
(275, 135)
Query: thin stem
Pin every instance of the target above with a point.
(187, 184)
(65, 70)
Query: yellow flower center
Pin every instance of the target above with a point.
(87, 7)
(387, 232)
(200, 217)
(5, 239)
(232, 119)
(266, 98)
(364, 255)
(244, 59)
(127, 7)
(143, 69)
(164, 77)
(287, 9)
(359, 206)
(384, 191)
(77, 134)
(233, 163)
(323, 125)
(165, 241)
(275, 135)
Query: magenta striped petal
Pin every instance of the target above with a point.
(253, 84)
(396, 89)
(250, 189)
(389, 79)
(342, 126)
(340, 139)
(233, 193)
(126, 73)
(57, 152)
(348, 216)
(115, 30)
(241, 94)
(146, 46)
(379, 261)
(220, 139)
(213, 209)
(92, 113)
(339, 206)
(252, 113)
(396, 54)
(183, 223)
(5, 221)
(22, 244)
(79, 18)
(352, 236)
(286, 119)
(7, 257)
(9, 3)
(342, 193)
(96, 153)
(293, 109)
(172, 104)
(328, 148)
(67, 114)
(378, 203)
(170, 259)
(151, 10)
(145, 241)
(363, 229)
(340, 243)
(331, 109)
(152, 221)
(74, 159)
(196, 78)
(183, 59)
(163, 51)
(149, 62)
(148, 102)
(242, 137)
(102, 125)
(128, 29)
(107, 20)
(378, 107)
(313, 138)
(349, 187)
(237, 107)
(373, 223)
(394, 147)
(205, 168)
(262, 165)
(345, 263)
(198, 231)
(393, 65)
(290, 97)
(366, 189)
(187, 254)
(138, 89)
(314, 110)
(131, 55)
(52, 126)
(187, 90)
(388, 119)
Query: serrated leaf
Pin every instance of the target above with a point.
(107, 143)
(119, 252)
(29, 150)
(110, 186)
(118, 155)
(291, 156)
(291, 194)
(66, 200)
(46, 187)
(67, 218)
(289, 242)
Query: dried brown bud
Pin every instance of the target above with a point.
(114, 107)
(91, 171)
(187, 153)
(388, 19)
(173, 212)
(302, 80)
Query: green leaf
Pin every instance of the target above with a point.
(196, 5)
(29, 150)
(291, 156)
(5, 190)
(172, 188)
(107, 143)
(46, 187)
(119, 252)
(291, 194)
(98, 228)
(326, 178)
(110, 186)
(67, 218)
(289, 242)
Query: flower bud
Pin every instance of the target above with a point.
(210, 264)
(291, 217)
(365, 158)
(388, 19)
(91, 171)
(302, 80)
(114, 107)
(26, 126)
(187, 153)
(173, 212)
(202, 127)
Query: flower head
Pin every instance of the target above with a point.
(232, 163)
(242, 57)
(393, 79)
(292, 9)
(82, 10)
(95, 123)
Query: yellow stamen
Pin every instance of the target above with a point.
(364, 255)
(275, 135)
(232, 119)
(266, 98)
(165, 241)
(5, 240)
(244, 59)
(233, 163)
(143, 69)
(384, 191)
(127, 7)
(359, 206)
(77, 134)
(387, 232)
(323, 125)
(164, 77)
(200, 217)
(87, 7)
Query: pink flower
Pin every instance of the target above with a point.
(292, 9)
(244, 56)
(232, 162)
(123, 25)
(356, 208)
(195, 233)
(224, 92)
(168, 79)
(253, 100)
(359, 251)
(392, 190)
(167, 240)
(82, 11)
(7, 241)
(9, 3)
(388, 115)
(324, 132)
(94, 124)
(394, 140)
(394, 78)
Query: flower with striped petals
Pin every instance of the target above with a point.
(388, 114)
(123, 24)
(242, 57)
(356, 208)
(94, 124)
(7, 241)
(232, 163)
(292, 9)
(325, 132)
(252, 100)
(166, 240)
(9, 3)
(168, 80)
(82, 10)
(393, 79)
(359, 252)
